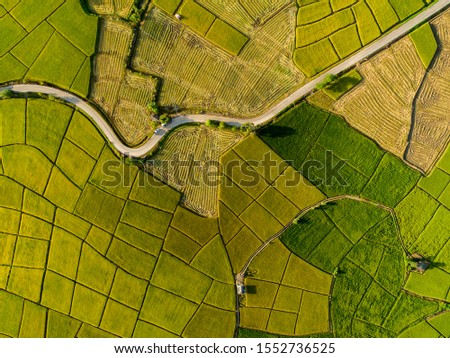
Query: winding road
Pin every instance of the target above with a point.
(153, 142)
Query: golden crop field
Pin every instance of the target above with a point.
(198, 148)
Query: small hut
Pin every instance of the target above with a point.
(178, 16)
(420, 263)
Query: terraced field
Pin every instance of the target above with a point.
(51, 44)
(329, 31)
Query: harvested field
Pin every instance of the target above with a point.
(188, 162)
(111, 7)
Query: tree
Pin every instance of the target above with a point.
(153, 107)
(164, 118)
(326, 81)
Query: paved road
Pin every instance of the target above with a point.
(264, 118)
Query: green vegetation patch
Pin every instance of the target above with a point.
(241, 247)
(139, 239)
(72, 223)
(119, 319)
(316, 57)
(10, 221)
(87, 305)
(46, 124)
(61, 326)
(145, 330)
(233, 197)
(65, 250)
(211, 322)
(30, 253)
(444, 162)
(11, 193)
(346, 41)
(37, 206)
(128, 289)
(30, 13)
(61, 191)
(58, 63)
(313, 12)
(196, 17)
(260, 293)
(314, 314)
(384, 13)
(226, 37)
(255, 318)
(12, 119)
(26, 282)
(31, 161)
(34, 227)
(278, 256)
(229, 223)
(33, 321)
(80, 84)
(425, 42)
(405, 9)
(57, 292)
(168, 5)
(175, 276)
(75, 163)
(31, 46)
(221, 295)
(12, 33)
(435, 183)
(288, 299)
(441, 323)
(11, 308)
(420, 330)
(375, 305)
(433, 283)
(367, 25)
(180, 245)
(278, 205)
(99, 239)
(12, 68)
(100, 208)
(343, 84)
(7, 245)
(167, 310)
(254, 215)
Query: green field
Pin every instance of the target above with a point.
(343, 84)
(425, 42)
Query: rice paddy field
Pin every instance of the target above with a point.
(51, 44)
(329, 31)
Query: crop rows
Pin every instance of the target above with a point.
(198, 75)
(111, 7)
(329, 31)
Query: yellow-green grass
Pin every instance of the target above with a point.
(213, 261)
(441, 323)
(229, 224)
(346, 41)
(278, 256)
(434, 283)
(241, 247)
(301, 274)
(435, 183)
(12, 113)
(313, 12)
(99, 239)
(314, 314)
(12, 68)
(9, 4)
(211, 322)
(282, 323)
(444, 198)
(30, 14)
(221, 295)
(226, 37)
(384, 13)
(75, 163)
(80, 84)
(36, 205)
(4, 273)
(95, 271)
(233, 197)
(343, 84)
(61, 191)
(150, 191)
(46, 124)
(367, 255)
(391, 181)
(337, 5)
(10, 221)
(11, 193)
(196, 17)
(57, 292)
(33, 321)
(12, 33)
(87, 305)
(322, 256)
(139, 239)
(297, 189)
(88, 331)
(30, 253)
(33, 227)
(260, 221)
(113, 175)
(255, 318)
(425, 42)
(260, 293)
(278, 205)
(130, 259)
(145, 330)
(313, 33)
(420, 330)
(444, 162)
(168, 5)
(405, 9)
(100, 208)
(435, 235)
(367, 25)
(61, 326)
(180, 245)
(7, 244)
(150, 220)
(58, 63)
(175, 276)
(128, 289)
(261, 158)
(316, 57)
(31, 161)
(81, 30)
(288, 299)
(31, 46)
(196, 227)
(167, 310)
(26, 282)
(119, 319)
(10, 313)
(84, 134)
(65, 250)
(72, 223)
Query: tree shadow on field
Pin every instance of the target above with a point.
(343, 84)
(251, 289)
(277, 131)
